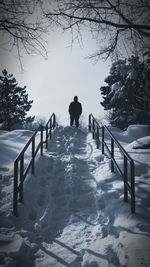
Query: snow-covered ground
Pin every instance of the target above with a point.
(73, 212)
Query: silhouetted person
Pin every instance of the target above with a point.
(75, 110)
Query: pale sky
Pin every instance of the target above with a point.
(54, 82)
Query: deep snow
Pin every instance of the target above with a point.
(73, 212)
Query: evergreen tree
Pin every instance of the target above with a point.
(14, 103)
(146, 75)
(125, 95)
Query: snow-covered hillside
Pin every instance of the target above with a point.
(73, 212)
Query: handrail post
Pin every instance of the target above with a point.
(33, 151)
(46, 136)
(112, 155)
(125, 179)
(51, 125)
(97, 137)
(21, 179)
(41, 140)
(54, 120)
(15, 193)
(102, 139)
(90, 123)
(132, 187)
(93, 128)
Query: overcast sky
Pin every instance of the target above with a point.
(53, 83)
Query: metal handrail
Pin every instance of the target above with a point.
(129, 185)
(20, 172)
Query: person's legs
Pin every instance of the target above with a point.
(77, 121)
(71, 120)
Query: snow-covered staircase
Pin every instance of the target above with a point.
(73, 212)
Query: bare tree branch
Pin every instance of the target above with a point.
(23, 22)
(103, 18)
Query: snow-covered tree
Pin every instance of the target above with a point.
(147, 83)
(14, 103)
(126, 95)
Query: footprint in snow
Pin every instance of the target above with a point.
(4, 169)
(32, 215)
(42, 182)
(41, 200)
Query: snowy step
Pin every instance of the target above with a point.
(57, 254)
(10, 244)
(16, 251)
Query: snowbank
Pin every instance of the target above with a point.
(132, 133)
(11, 144)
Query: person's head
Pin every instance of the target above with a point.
(75, 99)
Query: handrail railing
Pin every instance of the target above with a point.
(20, 172)
(128, 172)
(48, 127)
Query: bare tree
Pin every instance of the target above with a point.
(117, 25)
(22, 25)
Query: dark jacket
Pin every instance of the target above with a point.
(75, 108)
